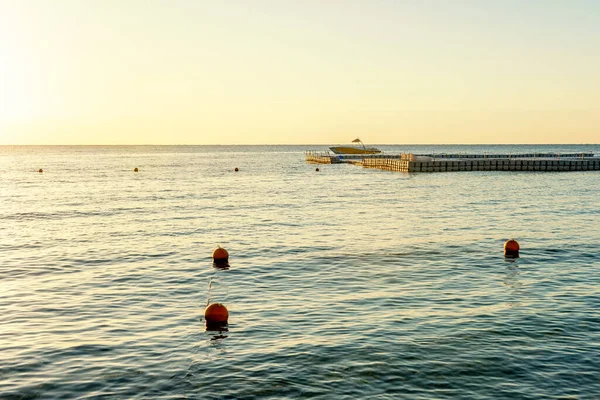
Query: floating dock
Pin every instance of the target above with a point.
(464, 162)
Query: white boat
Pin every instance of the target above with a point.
(355, 149)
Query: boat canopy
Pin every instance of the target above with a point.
(357, 140)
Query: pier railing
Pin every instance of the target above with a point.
(429, 164)
(320, 157)
(534, 156)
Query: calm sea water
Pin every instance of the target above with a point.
(343, 284)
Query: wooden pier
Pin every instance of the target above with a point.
(465, 162)
(316, 157)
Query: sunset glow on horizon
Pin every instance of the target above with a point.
(299, 72)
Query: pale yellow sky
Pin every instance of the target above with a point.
(296, 72)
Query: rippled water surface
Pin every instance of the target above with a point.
(343, 284)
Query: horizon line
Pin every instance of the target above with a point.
(310, 144)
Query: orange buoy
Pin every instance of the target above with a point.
(511, 249)
(135, 170)
(41, 170)
(236, 169)
(216, 314)
(220, 254)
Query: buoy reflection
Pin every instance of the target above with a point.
(223, 265)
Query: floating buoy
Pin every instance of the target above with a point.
(135, 170)
(220, 254)
(41, 170)
(216, 314)
(317, 170)
(236, 169)
(511, 249)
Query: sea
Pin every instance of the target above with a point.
(342, 283)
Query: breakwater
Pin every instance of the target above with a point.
(465, 162)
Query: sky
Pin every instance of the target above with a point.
(299, 72)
